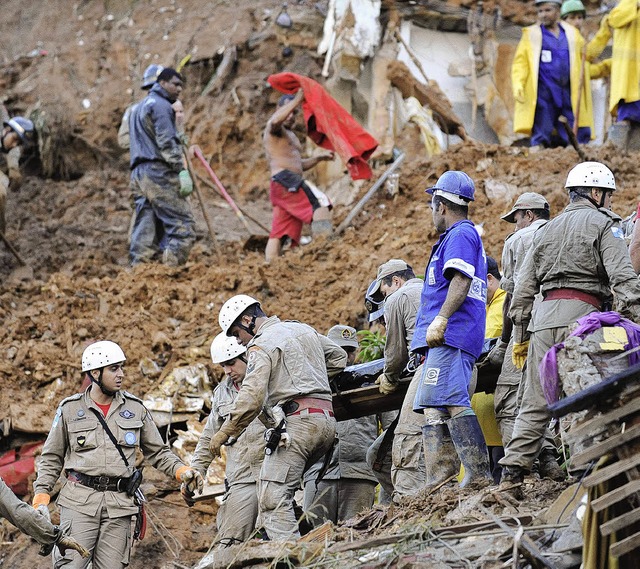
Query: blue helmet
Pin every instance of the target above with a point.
(23, 128)
(456, 183)
(151, 75)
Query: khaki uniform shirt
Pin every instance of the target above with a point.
(245, 456)
(286, 360)
(514, 251)
(400, 309)
(584, 249)
(77, 441)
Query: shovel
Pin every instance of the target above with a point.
(254, 242)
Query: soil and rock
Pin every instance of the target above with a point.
(82, 63)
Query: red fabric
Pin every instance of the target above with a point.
(104, 408)
(17, 465)
(329, 125)
(291, 210)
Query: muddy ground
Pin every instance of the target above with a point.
(77, 286)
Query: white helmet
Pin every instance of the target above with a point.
(591, 175)
(101, 354)
(225, 348)
(232, 309)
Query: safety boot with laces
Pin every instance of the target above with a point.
(512, 480)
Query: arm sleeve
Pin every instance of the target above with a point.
(202, 457)
(166, 136)
(508, 263)
(52, 457)
(601, 69)
(123, 131)
(155, 450)
(24, 517)
(253, 394)
(623, 14)
(395, 349)
(624, 280)
(460, 254)
(596, 46)
(334, 356)
(520, 65)
(524, 294)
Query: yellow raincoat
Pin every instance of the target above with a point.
(524, 75)
(625, 64)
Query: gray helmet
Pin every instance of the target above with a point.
(23, 128)
(151, 75)
(374, 302)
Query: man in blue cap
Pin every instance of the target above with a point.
(449, 332)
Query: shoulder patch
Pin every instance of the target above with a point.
(74, 397)
(56, 419)
(617, 232)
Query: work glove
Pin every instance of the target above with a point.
(40, 499)
(67, 542)
(518, 94)
(186, 183)
(216, 443)
(285, 440)
(496, 355)
(435, 331)
(519, 355)
(192, 479)
(385, 385)
(44, 512)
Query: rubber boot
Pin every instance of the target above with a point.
(321, 227)
(169, 258)
(472, 449)
(549, 467)
(440, 458)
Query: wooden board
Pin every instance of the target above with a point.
(625, 546)
(605, 447)
(593, 426)
(615, 496)
(604, 474)
(620, 522)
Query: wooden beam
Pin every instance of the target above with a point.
(605, 447)
(625, 546)
(621, 522)
(592, 427)
(608, 472)
(615, 496)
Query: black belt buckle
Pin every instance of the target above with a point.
(101, 483)
(290, 407)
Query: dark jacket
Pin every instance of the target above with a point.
(152, 131)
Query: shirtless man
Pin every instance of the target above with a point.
(291, 207)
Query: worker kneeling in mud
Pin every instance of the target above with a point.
(238, 513)
(93, 440)
(288, 364)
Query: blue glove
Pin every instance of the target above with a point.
(186, 183)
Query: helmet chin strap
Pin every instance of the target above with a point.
(251, 329)
(98, 382)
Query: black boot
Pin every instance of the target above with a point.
(549, 467)
(440, 458)
(472, 449)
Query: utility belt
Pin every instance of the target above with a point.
(100, 483)
(573, 294)
(310, 404)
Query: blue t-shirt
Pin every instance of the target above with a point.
(458, 249)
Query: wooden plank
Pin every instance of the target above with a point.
(621, 522)
(600, 476)
(625, 546)
(604, 447)
(367, 401)
(592, 427)
(210, 493)
(615, 496)
(595, 394)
